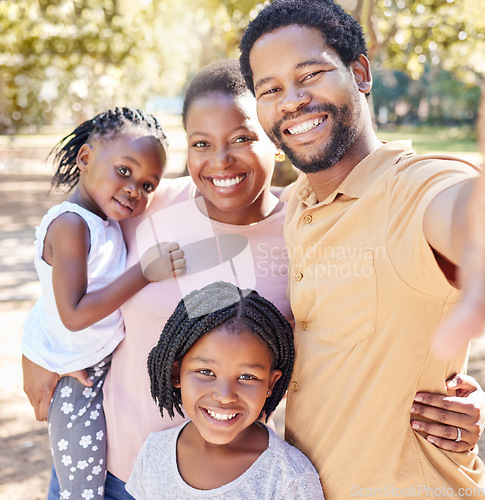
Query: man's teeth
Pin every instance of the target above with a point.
(305, 127)
(221, 416)
(228, 182)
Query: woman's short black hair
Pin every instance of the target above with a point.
(107, 124)
(339, 29)
(222, 77)
(201, 312)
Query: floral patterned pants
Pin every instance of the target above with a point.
(77, 432)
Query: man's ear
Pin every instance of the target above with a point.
(83, 156)
(176, 374)
(362, 74)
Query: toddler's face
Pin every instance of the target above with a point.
(119, 174)
(225, 379)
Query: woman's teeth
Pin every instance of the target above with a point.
(221, 416)
(228, 182)
(305, 127)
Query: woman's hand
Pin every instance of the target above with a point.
(464, 411)
(39, 385)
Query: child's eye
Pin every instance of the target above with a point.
(124, 171)
(200, 144)
(207, 373)
(148, 187)
(247, 376)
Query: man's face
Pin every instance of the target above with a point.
(308, 101)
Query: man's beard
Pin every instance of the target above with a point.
(342, 138)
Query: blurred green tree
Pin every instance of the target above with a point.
(418, 36)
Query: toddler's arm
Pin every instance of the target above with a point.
(67, 247)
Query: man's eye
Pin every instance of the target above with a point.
(270, 91)
(311, 75)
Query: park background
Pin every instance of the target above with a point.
(63, 61)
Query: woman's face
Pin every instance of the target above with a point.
(230, 158)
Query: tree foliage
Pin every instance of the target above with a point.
(65, 58)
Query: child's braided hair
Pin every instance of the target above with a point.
(109, 123)
(202, 311)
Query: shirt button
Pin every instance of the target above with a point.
(303, 325)
(294, 386)
(307, 219)
(299, 277)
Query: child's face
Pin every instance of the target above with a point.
(224, 379)
(119, 174)
(230, 158)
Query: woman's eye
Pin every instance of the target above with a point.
(207, 373)
(200, 144)
(124, 171)
(242, 139)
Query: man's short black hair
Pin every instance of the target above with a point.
(339, 29)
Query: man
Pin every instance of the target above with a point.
(375, 233)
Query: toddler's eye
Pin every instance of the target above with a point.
(148, 187)
(124, 171)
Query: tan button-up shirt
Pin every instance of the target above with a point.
(367, 296)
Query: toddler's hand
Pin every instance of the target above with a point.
(163, 261)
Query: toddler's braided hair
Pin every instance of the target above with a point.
(202, 311)
(108, 124)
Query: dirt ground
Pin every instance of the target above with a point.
(24, 453)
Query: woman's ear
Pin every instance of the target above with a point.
(274, 376)
(176, 374)
(362, 74)
(83, 157)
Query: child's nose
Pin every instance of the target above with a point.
(133, 190)
(225, 393)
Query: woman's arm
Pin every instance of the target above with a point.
(39, 385)
(465, 411)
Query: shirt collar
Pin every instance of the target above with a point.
(362, 176)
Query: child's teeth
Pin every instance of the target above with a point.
(221, 416)
(228, 182)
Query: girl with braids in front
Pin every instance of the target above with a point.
(226, 355)
(114, 161)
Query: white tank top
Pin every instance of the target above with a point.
(46, 341)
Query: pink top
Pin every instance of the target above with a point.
(251, 256)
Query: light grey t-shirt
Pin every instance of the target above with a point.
(280, 472)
